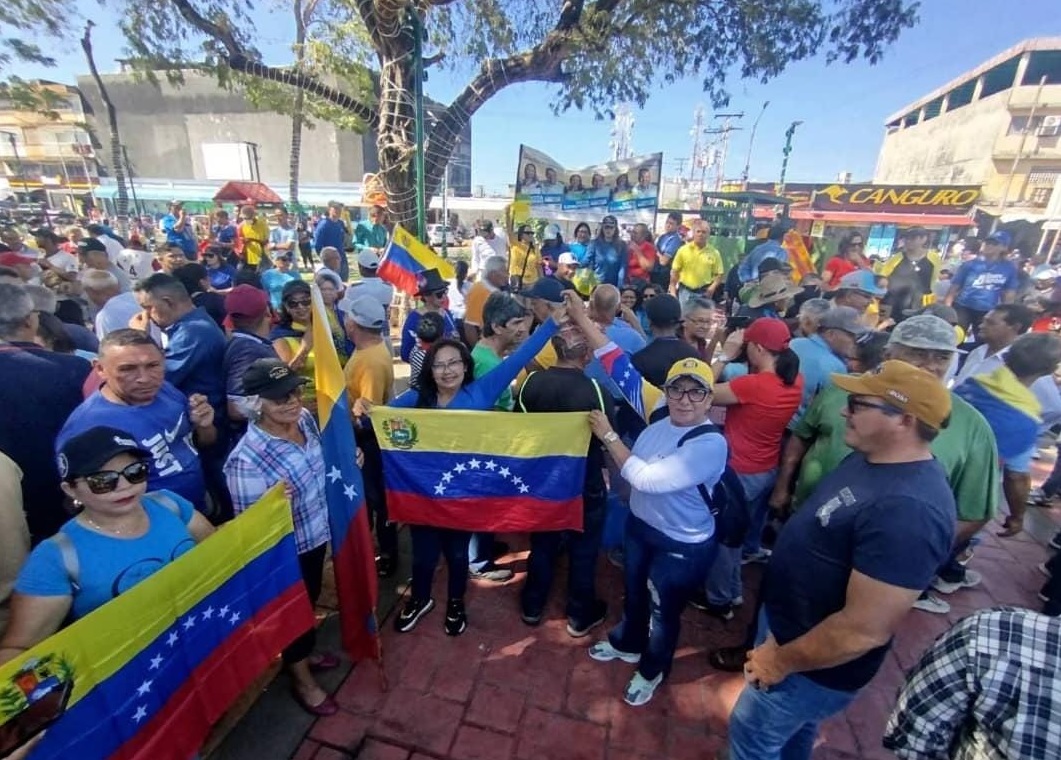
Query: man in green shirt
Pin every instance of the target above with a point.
(965, 448)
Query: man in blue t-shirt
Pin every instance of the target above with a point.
(136, 398)
(180, 230)
(826, 352)
(983, 283)
(849, 565)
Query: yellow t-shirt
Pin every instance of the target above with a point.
(474, 303)
(545, 359)
(370, 375)
(697, 267)
(308, 371)
(526, 262)
(255, 235)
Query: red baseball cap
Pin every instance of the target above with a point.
(246, 301)
(770, 333)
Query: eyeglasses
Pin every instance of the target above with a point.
(297, 304)
(854, 404)
(106, 481)
(696, 395)
(647, 296)
(445, 367)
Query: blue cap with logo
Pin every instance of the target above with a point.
(1003, 238)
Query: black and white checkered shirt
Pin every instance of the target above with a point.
(988, 689)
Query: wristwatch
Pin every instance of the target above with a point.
(611, 437)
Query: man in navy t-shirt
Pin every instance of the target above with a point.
(136, 398)
(983, 283)
(849, 565)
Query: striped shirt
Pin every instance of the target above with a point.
(260, 461)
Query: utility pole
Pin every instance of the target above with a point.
(697, 157)
(786, 150)
(751, 144)
(62, 163)
(724, 132)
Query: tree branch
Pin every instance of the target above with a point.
(432, 60)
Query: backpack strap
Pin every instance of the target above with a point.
(163, 499)
(68, 556)
(696, 432)
(660, 413)
(519, 396)
(600, 396)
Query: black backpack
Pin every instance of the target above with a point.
(726, 501)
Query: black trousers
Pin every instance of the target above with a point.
(375, 491)
(311, 564)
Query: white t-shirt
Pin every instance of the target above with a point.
(482, 249)
(64, 262)
(114, 248)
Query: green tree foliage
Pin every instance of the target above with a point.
(20, 21)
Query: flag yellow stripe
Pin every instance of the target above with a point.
(150, 607)
(499, 433)
(428, 258)
(328, 374)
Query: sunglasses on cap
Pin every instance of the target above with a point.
(106, 481)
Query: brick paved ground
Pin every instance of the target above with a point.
(503, 690)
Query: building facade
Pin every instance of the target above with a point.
(47, 158)
(997, 127)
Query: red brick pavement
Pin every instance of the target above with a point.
(504, 690)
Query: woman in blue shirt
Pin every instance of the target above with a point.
(222, 276)
(121, 536)
(447, 381)
(607, 254)
(581, 242)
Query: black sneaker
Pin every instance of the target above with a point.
(576, 629)
(723, 612)
(411, 613)
(699, 601)
(531, 618)
(456, 619)
(386, 566)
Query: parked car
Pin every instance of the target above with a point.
(435, 233)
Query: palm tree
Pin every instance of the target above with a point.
(112, 120)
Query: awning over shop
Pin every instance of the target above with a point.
(241, 192)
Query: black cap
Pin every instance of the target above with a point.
(87, 245)
(271, 379)
(546, 288)
(663, 310)
(87, 452)
(46, 233)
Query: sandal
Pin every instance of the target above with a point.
(728, 659)
(1010, 528)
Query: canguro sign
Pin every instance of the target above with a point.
(908, 199)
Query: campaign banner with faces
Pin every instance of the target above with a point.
(627, 189)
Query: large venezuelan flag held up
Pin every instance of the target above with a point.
(483, 471)
(353, 553)
(406, 258)
(152, 670)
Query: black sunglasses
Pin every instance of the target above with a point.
(292, 303)
(854, 404)
(105, 481)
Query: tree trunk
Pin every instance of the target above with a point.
(297, 117)
(116, 143)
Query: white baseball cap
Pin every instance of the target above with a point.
(567, 258)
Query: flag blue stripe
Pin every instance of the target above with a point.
(340, 450)
(1015, 430)
(103, 720)
(400, 257)
(553, 478)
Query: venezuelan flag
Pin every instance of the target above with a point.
(153, 669)
(483, 471)
(353, 553)
(1009, 407)
(406, 257)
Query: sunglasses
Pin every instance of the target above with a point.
(297, 304)
(106, 481)
(854, 404)
(696, 395)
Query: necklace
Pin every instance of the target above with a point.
(103, 529)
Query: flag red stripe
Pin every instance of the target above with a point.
(398, 276)
(180, 727)
(512, 514)
(355, 560)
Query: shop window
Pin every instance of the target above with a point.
(1039, 196)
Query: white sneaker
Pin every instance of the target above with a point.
(972, 578)
(639, 691)
(1044, 569)
(933, 604)
(603, 651)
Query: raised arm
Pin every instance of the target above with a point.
(490, 386)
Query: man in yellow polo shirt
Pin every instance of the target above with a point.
(696, 269)
(254, 233)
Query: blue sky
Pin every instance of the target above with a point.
(843, 108)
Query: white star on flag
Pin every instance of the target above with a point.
(524, 489)
(189, 623)
(223, 611)
(156, 662)
(626, 375)
(234, 618)
(172, 638)
(440, 489)
(141, 713)
(459, 468)
(334, 474)
(447, 477)
(517, 481)
(491, 465)
(208, 613)
(350, 492)
(474, 463)
(144, 688)
(504, 472)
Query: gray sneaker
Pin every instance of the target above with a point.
(603, 651)
(640, 691)
(492, 573)
(933, 604)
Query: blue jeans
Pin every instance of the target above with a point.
(724, 579)
(480, 551)
(581, 567)
(781, 722)
(660, 574)
(428, 543)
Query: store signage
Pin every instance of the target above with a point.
(897, 199)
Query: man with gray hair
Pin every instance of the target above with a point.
(330, 261)
(40, 390)
(493, 277)
(810, 312)
(826, 352)
(114, 307)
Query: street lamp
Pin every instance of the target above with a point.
(787, 150)
(751, 144)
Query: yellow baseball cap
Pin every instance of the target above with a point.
(694, 369)
(904, 386)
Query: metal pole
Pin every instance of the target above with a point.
(751, 144)
(132, 185)
(445, 209)
(418, 113)
(1020, 149)
(62, 163)
(787, 150)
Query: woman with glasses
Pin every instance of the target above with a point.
(222, 276)
(606, 255)
(283, 444)
(330, 287)
(293, 337)
(432, 291)
(524, 260)
(850, 256)
(120, 536)
(447, 381)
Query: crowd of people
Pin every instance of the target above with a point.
(854, 432)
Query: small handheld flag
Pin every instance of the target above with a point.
(406, 258)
